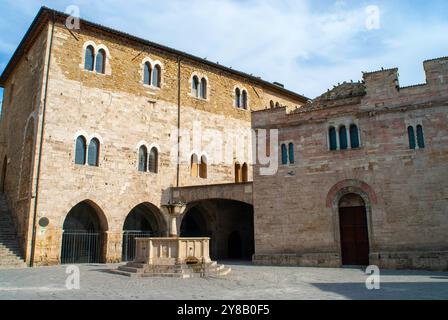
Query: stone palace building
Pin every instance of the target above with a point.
(103, 136)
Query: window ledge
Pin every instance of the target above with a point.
(199, 98)
(95, 72)
(147, 86)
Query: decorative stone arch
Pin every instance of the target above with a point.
(103, 217)
(346, 187)
(95, 135)
(209, 219)
(96, 243)
(83, 53)
(160, 217)
(140, 144)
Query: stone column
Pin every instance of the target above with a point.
(173, 211)
(349, 142)
(338, 139)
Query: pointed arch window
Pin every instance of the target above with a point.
(245, 176)
(284, 154)
(154, 160)
(203, 88)
(195, 87)
(238, 172)
(80, 151)
(142, 159)
(343, 138)
(411, 136)
(237, 98)
(271, 104)
(332, 138)
(100, 61)
(89, 58)
(93, 152)
(147, 74)
(203, 168)
(354, 136)
(156, 76)
(244, 102)
(194, 165)
(420, 137)
(291, 153)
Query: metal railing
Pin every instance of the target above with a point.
(128, 251)
(82, 247)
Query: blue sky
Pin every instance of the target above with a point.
(309, 46)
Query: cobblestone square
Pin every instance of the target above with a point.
(244, 282)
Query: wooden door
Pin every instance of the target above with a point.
(354, 236)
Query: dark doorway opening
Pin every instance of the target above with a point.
(142, 222)
(235, 246)
(354, 231)
(229, 224)
(83, 238)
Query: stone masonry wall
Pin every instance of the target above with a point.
(23, 97)
(406, 190)
(123, 113)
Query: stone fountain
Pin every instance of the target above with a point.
(173, 256)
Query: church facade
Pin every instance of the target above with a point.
(362, 176)
(101, 132)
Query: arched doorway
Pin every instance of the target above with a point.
(84, 235)
(353, 230)
(234, 245)
(229, 224)
(3, 176)
(143, 221)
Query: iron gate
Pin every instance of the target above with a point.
(128, 252)
(81, 247)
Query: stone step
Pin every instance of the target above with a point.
(10, 252)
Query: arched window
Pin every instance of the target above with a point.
(195, 87)
(93, 156)
(100, 61)
(194, 165)
(244, 170)
(284, 154)
(80, 152)
(244, 103)
(203, 168)
(420, 137)
(291, 153)
(203, 88)
(237, 172)
(333, 139)
(271, 104)
(156, 76)
(411, 136)
(277, 105)
(354, 136)
(343, 138)
(147, 74)
(237, 98)
(142, 159)
(89, 58)
(154, 160)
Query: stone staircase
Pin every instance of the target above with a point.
(10, 253)
(183, 271)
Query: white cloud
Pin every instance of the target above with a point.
(307, 45)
